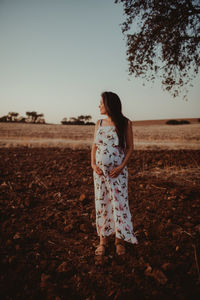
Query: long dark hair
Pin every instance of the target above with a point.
(113, 108)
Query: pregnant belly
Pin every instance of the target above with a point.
(107, 160)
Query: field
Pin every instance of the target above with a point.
(48, 234)
(149, 136)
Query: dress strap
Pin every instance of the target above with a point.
(100, 122)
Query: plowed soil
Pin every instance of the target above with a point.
(48, 232)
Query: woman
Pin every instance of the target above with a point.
(111, 150)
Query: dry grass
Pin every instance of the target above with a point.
(152, 137)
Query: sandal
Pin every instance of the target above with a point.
(120, 248)
(101, 249)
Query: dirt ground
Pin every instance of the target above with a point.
(48, 232)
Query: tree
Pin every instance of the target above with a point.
(12, 116)
(84, 119)
(4, 119)
(73, 120)
(64, 121)
(163, 41)
(80, 120)
(88, 118)
(35, 117)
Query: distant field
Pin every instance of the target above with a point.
(146, 136)
(163, 121)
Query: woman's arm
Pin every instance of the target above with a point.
(129, 144)
(128, 152)
(94, 147)
(93, 153)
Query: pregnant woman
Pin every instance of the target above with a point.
(111, 150)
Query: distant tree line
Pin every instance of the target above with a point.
(80, 120)
(177, 122)
(32, 117)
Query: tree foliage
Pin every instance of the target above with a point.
(80, 120)
(34, 116)
(163, 41)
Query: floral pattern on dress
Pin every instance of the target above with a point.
(111, 194)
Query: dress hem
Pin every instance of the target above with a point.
(113, 233)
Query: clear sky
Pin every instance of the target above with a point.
(57, 56)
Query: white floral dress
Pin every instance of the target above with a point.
(111, 194)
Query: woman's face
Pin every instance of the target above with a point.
(102, 107)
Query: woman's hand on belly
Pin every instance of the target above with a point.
(97, 169)
(116, 171)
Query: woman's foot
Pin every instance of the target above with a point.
(101, 249)
(120, 248)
